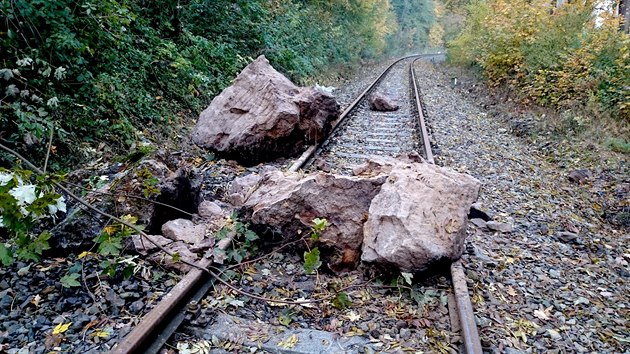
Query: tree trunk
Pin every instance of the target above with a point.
(624, 10)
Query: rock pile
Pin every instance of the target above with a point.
(402, 212)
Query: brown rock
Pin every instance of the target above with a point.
(184, 230)
(419, 217)
(144, 246)
(263, 116)
(288, 203)
(382, 102)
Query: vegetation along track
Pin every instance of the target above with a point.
(255, 325)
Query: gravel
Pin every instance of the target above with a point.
(559, 282)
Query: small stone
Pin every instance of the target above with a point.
(500, 226)
(477, 212)
(554, 273)
(405, 333)
(114, 299)
(582, 300)
(579, 176)
(136, 306)
(554, 334)
(568, 237)
(480, 223)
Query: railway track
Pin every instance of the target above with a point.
(356, 135)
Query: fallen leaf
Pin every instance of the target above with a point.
(290, 342)
(510, 290)
(543, 313)
(102, 332)
(61, 328)
(35, 300)
(353, 316)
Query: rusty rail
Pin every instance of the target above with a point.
(470, 335)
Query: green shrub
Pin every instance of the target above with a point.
(557, 56)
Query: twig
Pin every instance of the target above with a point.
(92, 191)
(145, 235)
(50, 139)
(263, 256)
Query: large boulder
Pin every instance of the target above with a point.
(263, 116)
(419, 217)
(286, 204)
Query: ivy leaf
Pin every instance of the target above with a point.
(5, 255)
(70, 280)
(312, 261)
(250, 235)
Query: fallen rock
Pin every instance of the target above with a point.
(579, 176)
(144, 246)
(287, 204)
(184, 255)
(263, 116)
(419, 217)
(500, 226)
(184, 230)
(381, 102)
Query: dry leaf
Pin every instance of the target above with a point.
(35, 300)
(510, 290)
(61, 328)
(290, 342)
(543, 313)
(353, 316)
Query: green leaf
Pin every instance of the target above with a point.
(70, 280)
(319, 224)
(176, 257)
(110, 247)
(250, 235)
(341, 301)
(5, 255)
(312, 261)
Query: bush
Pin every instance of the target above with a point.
(559, 57)
(102, 72)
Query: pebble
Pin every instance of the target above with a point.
(499, 226)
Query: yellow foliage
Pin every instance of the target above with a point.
(558, 56)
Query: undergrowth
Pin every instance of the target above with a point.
(564, 58)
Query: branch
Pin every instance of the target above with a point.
(161, 248)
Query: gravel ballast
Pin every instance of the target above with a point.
(558, 282)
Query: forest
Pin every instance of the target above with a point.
(102, 74)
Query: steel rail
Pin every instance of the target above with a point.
(162, 321)
(472, 343)
(315, 149)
